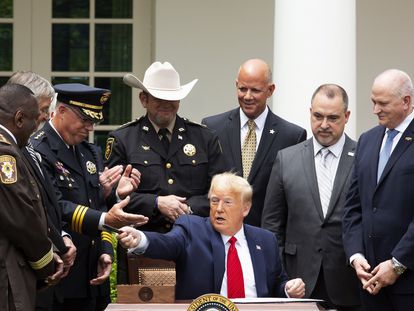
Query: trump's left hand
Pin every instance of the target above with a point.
(295, 288)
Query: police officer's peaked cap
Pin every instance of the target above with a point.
(88, 100)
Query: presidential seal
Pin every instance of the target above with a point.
(189, 150)
(212, 302)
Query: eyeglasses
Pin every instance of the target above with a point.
(84, 119)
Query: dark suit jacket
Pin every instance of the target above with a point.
(379, 217)
(308, 240)
(199, 254)
(277, 134)
(44, 297)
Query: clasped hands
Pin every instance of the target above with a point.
(372, 281)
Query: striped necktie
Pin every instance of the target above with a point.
(324, 180)
(35, 156)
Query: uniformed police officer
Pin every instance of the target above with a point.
(26, 253)
(176, 157)
(74, 166)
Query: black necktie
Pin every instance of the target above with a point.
(162, 134)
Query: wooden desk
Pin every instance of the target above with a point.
(293, 306)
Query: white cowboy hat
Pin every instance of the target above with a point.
(161, 81)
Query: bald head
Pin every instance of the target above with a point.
(396, 80)
(257, 67)
(18, 111)
(254, 86)
(392, 96)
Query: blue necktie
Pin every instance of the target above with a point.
(386, 152)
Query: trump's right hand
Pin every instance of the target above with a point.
(129, 238)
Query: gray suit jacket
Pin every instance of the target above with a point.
(293, 211)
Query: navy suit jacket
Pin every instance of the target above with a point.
(379, 217)
(199, 254)
(277, 134)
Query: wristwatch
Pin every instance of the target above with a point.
(398, 268)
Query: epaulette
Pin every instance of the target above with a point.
(4, 140)
(130, 123)
(187, 121)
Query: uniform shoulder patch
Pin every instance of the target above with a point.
(108, 148)
(4, 140)
(130, 123)
(8, 169)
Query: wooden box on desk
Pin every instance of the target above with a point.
(152, 281)
(135, 293)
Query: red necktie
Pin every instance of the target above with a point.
(235, 283)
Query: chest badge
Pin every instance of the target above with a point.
(189, 150)
(91, 167)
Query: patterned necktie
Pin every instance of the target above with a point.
(324, 180)
(386, 152)
(34, 156)
(235, 282)
(162, 134)
(249, 149)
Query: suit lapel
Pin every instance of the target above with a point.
(269, 134)
(404, 142)
(308, 160)
(344, 166)
(233, 139)
(218, 251)
(258, 261)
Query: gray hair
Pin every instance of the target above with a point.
(37, 84)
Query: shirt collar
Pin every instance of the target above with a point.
(8, 132)
(335, 149)
(239, 236)
(259, 121)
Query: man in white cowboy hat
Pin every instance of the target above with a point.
(176, 157)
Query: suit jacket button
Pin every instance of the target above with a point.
(374, 210)
(93, 242)
(168, 165)
(170, 181)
